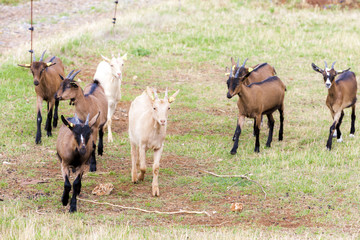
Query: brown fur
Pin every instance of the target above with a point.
(341, 95)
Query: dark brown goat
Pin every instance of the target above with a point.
(255, 100)
(75, 149)
(256, 73)
(92, 100)
(46, 81)
(341, 95)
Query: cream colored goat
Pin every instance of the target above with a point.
(147, 130)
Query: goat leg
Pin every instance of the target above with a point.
(241, 121)
(76, 191)
(101, 140)
(271, 129)
(257, 135)
(67, 188)
(338, 132)
(353, 117)
(281, 130)
(93, 159)
(48, 123)
(56, 116)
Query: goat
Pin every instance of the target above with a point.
(341, 95)
(147, 129)
(258, 73)
(109, 74)
(46, 81)
(257, 99)
(90, 100)
(75, 149)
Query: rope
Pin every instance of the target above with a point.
(32, 30)
(114, 18)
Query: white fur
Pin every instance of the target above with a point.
(335, 133)
(109, 74)
(340, 139)
(351, 135)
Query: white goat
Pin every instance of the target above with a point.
(109, 74)
(147, 130)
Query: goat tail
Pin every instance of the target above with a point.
(96, 82)
(275, 73)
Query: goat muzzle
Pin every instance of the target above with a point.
(82, 150)
(229, 95)
(36, 82)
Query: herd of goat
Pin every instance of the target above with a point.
(259, 90)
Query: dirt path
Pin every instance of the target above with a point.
(48, 16)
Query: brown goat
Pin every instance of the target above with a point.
(341, 95)
(46, 81)
(75, 149)
(255, 100)
(90, 100)
(256, 73)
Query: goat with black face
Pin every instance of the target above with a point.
(75, 148)
(341, 95)
(256, 99)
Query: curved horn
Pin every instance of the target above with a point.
(42, 56)
(231, 72)
(87, 119)
(325, 65)
(244, 63)
(237, 73)
(237, 64)
(72, 76)
(155, 94)
(34, 59)
(166, 94)
(77, 121)
(332, 66)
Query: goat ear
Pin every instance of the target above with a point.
(49, 64)
(67, 123)
(172, 98)
(24, 65)
(106, 59)
(124, 57)
(233, 63)
(342, 71)
(316, 68)
(94, 120)
(150, 93)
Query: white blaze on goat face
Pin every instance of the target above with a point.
(328, 82)
(82, 139)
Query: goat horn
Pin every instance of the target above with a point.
(77, 121)
(155, 94)
(34, 58)
(42, 56)
(72, 76)
(325, 65)
(87, 119)
(332, 66)
(166, 93)
(237, 73)
(237, 64)
(231, 72)
(244, 63)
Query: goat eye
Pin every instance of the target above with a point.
(168, 108)
(154, 108)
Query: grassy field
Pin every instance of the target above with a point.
(311, 192)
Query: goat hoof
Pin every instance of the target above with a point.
(340, 139)
(37, 141)
(232, 152)
(72, 209)
(92, 168)
(351, 135)
(100, 152)
(268, 145)
(155, 192)
(65, 201)
(257, 150)
(49, 134)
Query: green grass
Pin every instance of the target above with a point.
(188, 49)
